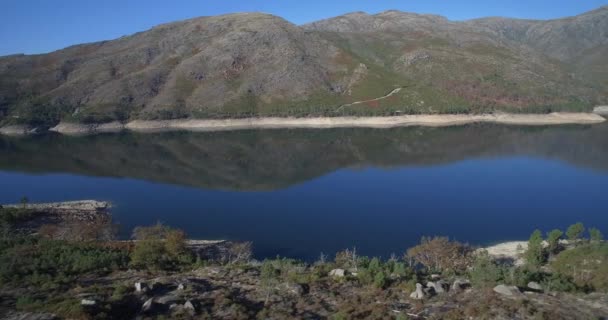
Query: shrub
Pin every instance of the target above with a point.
(441, 254)
(485, 272)
(347, 259)
(159, 247)
(401, 270)
(558, 282)
(49, 262)
(586, 265)
(575, 231)
(380, 280)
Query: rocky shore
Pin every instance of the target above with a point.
(317, 123)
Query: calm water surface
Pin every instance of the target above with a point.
(302, 192)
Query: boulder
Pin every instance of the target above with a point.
(439, 287)
(181, 286)
(337, 273)
(508, 291)
(189, 306)
(148, 305)
(460, 284)
(140, 287)
(294, 288)
(601, 110)
(435, 276)
(535, 286)
(419, 294)
(168, 299)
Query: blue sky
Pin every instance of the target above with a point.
(37, 26)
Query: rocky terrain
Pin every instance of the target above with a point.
(161, 274)
(253, 64)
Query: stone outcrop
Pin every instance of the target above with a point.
(419, 293)
(508, 291)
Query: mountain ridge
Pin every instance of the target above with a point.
(258, 64)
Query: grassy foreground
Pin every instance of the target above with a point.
(161, 274)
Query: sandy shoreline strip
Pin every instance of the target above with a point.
(321, 123)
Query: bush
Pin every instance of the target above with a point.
(49, 262)
(485, 272)
(586, 265)
(159, 247)
(380, 280)
(11, 216)
(440, 254)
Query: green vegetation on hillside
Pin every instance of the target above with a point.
(61, 269)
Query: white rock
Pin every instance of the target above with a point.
(535, 286)
(140, 287)
(419, 294)
(189, 306)
(88, 302)
(147, 306)
(437, 287)
(460, 284)
(601, 110)
(337, 273)
(509, 291)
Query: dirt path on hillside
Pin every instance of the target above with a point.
(371, 100)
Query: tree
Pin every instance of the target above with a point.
(575, 231)
(534, 255)
(268, 278)
(553, 238)
(595, 235)
(440, 254)
(24, 201)
(485, 272)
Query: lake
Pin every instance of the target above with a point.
(298, 193)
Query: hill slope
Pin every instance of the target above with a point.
(254, 64)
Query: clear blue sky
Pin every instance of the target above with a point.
(37, 26)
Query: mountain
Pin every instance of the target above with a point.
(254, 64)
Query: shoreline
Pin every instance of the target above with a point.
(312, 123)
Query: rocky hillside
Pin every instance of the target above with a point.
(253, 64)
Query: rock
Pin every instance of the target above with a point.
(337, 273)
(601, 110)
(294, 288)
(438, 287)
(535, 286)
(189, 306)
(168, 299)
(460, 284)
(88, 302)
(429, 291)
(419, 294)
(435, 276)
(148, 305)
(140, 287)
(181, 286)
(509, 291)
